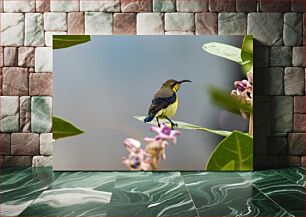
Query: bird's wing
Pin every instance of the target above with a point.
(162, 99)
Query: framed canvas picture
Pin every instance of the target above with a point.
(153, 103)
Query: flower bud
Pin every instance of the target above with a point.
(241, 85)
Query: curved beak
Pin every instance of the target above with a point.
(184, 81)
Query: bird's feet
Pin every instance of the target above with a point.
(158, 124)
(173, 125)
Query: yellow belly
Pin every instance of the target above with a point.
(169, 111)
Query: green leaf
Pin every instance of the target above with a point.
(235, 152)
(64, 41)
(247, 53)
(186, 126)
(62, 128)
(224, 100)
(247, 48)
(223, 50)
(247, 67)
(229, 166)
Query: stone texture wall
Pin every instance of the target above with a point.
(26, 33)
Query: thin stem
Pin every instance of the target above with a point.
(155, 163)
(251, 124)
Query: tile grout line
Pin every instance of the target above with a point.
(266, 196)
(172, 182)
(288, 178)
(190, 195)
(40, 193)
(110, 200)
(115, 180)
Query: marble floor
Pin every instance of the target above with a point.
(42, 192)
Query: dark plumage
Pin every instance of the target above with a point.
(162, 99)
(164, 103)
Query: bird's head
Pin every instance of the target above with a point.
(173, 84)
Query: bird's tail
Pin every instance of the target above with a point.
(148, 118)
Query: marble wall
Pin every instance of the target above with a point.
(26, 32)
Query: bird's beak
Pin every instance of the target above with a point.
(184, 81)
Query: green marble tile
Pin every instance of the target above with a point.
(75, 194)
(151, 194)
(70, 202)
(174, 177)
(148, 192)
(285, 192)
(14, 172)
(227, 194)
(296, 174)
(102, 181)
(183, 207)
(147, 187)
(22, 188)
(39, 191)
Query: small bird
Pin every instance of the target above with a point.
(165, 102)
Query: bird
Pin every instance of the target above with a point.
(165, 102)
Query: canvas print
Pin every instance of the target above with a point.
(148, 103)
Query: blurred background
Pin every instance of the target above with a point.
(100, 85)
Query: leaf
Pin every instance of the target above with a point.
(223, 50)
(247, 54)
(229, 166)
(247, 48)
(235, 152)
(247, 67)
(62, 128)
(64, 41)
(186, 126)
(224, 100)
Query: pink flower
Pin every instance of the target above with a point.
(136, 162)
(132, 145)
(241, 85)
(136, 159)
(165, 132)
(244, 91)
(147, 159)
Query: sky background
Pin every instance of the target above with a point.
(100, 85)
